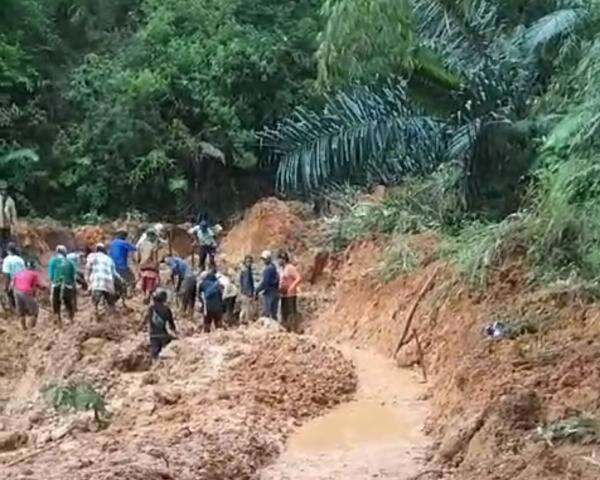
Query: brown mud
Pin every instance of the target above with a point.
(254, 402)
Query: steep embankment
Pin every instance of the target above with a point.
(488, 396)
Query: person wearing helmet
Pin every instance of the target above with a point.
(62, 274)
(269, 287)
(160, 322)
(8, 217)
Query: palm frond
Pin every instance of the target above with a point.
(18, 155)
(375, 130)
(554, 25)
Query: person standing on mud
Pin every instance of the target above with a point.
(187, 294)
(288, 288)
(149, 263)
(12, 264)
(62, 274)
(8, 217)
(230, 293)
(207, 243)
(247, 291)
(25, 285)
(100, 274)
(269, 287)
(159, 319)
(119, 250)
(210, 292)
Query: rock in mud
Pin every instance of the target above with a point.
(10, 441)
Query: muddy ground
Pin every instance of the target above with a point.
(222, 406)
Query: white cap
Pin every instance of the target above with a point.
(266, 255)
(159, 227)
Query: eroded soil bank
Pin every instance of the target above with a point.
(379, 434)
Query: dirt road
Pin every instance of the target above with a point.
(377, 435)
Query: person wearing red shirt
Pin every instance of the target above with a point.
(288, 291)
(25, 285)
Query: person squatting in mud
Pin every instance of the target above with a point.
(25, 285)
(161, 323)
(62, 274)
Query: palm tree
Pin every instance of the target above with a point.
(382, 131)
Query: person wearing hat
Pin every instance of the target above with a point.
(100, 274)
(269, 287)
(160, 322)
(8, 217)
(62, 274)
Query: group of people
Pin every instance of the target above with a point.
(107, 274)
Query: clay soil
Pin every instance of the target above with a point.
(218, 406)
(488, 397)
(222, 406)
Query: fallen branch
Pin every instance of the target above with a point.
(413, 309)
(420, 354)
(33, 454)
(438, 472)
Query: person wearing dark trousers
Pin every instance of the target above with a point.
(210, 291)
(207, 243)
(161, 324)
(269, 287)
(288, 288)
(8, 218)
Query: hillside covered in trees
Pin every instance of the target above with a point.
(481, 113)
(105, 103)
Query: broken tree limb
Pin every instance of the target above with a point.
(33, 454)
(413, 309)
(420, 354)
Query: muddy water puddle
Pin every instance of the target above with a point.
(384, 411)
(352, 426)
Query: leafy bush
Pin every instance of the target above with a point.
(397, 259)
(418, 204)
(77, 396)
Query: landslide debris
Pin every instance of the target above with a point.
(218, 406)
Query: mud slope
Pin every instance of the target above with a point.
(488, 397)
(219, 406)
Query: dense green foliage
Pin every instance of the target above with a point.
(502, 94)
(123, 100)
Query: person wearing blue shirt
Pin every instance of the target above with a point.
(119, 250)
(210, 293)
(178, 270)
(269, 287)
